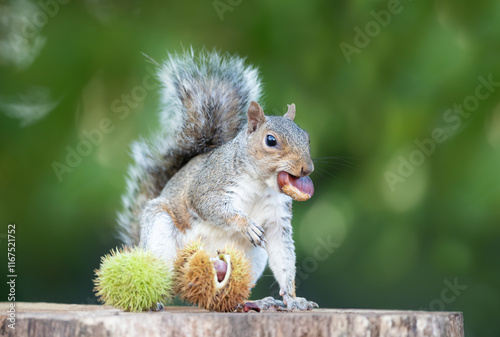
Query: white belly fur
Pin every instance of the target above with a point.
(263, 204)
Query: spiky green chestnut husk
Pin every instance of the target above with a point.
(195, 279)
(133, 279)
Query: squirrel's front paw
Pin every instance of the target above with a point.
(255, 234)
(299, 303)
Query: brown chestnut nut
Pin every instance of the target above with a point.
(299, 189)
(221, 269)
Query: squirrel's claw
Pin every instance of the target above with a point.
(299, 303)
(288, 304)
(270, 304)
(255, 234)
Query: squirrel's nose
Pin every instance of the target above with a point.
(307, 170)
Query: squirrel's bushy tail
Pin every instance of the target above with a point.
(204, 100)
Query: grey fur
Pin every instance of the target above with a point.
(204, 100)
(210, 173)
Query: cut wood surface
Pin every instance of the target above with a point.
(64, 320)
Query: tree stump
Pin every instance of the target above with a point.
(64, 320)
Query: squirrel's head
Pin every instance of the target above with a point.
(281, 151)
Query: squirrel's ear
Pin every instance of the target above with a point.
(255, 116)
(290, 114)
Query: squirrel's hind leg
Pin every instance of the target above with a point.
(158, 231)
(271, 304)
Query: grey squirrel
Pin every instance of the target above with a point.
(219, 170)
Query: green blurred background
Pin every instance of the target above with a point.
(401, 227)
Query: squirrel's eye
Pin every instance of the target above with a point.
(271, 141)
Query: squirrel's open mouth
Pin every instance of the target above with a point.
(298, 188)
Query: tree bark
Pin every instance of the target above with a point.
(64, 320)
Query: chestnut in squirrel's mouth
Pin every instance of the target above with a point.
(298, 188)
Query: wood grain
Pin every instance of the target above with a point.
(63, 320)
